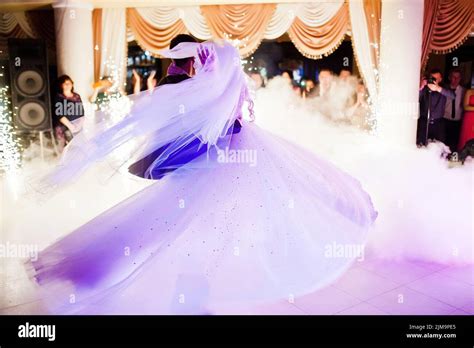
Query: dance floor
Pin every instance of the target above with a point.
(370, 287)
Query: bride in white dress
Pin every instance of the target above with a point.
(252, 219)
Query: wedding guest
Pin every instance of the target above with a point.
(151, 81)
(137, 81)
(334, 96)
(432, 99)
(345, 73)
(309, 89)
(454, 109)
(325, 78)
(467, 128)
(104, 90)
(359, 112)
(68, 111)
(347, 87)
(287, 75)
(257, 79)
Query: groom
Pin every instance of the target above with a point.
(179, 70)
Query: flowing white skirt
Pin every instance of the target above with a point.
(264, 220)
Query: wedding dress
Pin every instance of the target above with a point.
(254, 218)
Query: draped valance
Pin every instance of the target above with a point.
(30, 24)
(153, 37)
(315, 28)
(246, 25)
(446, 25)
(322, 39)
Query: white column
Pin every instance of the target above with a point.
(399, 68)
(74, 44)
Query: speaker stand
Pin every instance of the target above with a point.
(41, 138)
(53, 140)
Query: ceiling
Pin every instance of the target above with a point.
(23, 5)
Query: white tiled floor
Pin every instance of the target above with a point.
(404, 300)
(329, 300)
(362, 308)
(444, 288)
(364, 284)
(399, 272)
(372, 287)
(463, 274)
(378, 287)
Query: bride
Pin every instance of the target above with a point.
(237, 215)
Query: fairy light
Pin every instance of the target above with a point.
(372, 116)
(116, 105)
(237, 43)
(10, 158)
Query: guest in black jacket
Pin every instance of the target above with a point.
(432, 97)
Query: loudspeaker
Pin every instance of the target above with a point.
(29, 79)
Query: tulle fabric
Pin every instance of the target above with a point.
(204, 107)
(253, 219)
(230, 232)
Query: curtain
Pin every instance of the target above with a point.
(97, 40)
(365, 24)
(316, 28)
(195, 22)
(429, 20)
(9, 28)
(373, 17)
(41, 23)
(130, 36)
(159, 17)
(8, 24)
(446, 25)
(281, 20)
(150, 36)
(243, 25)
(316, 14)
(162, 18)
(30, 24)
(113, 52)
(318, 41)
(453, 24)
(22, 24)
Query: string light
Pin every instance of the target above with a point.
(10, 158)
(372, 116)
(237, 43)
(116, 105)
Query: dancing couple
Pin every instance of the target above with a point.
(207, 232)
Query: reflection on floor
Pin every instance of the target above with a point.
(370, 287)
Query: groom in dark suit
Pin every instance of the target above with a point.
(179, 70)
